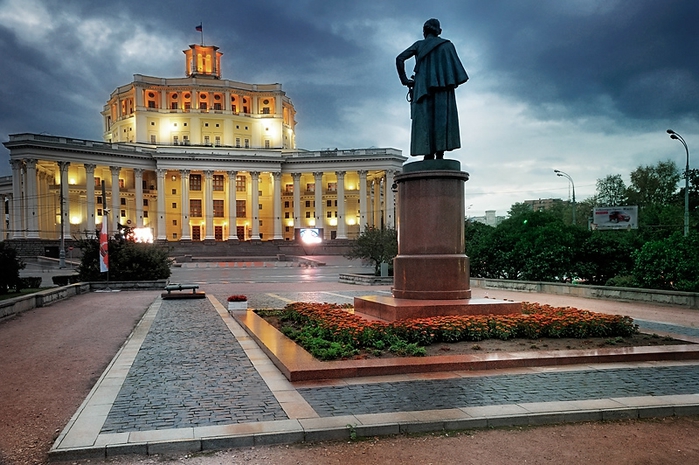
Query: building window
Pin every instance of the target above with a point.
(308, 204)
(328, 203)
(195, 182)
(289, 188)
(237, 142)
(308, 214)
(267, 144)
(218, 209)
(207, 141)
(240, 211)
(286, 215)
(123, 213)
(151, 104)
(122, 201)
(145, 214)
(218, 182)
(145, 202)
(99, 212)
(286, 204)
(174, 204)
(202, 105)
(217, 141)
(233, 109)
(98, 182)
(259, 206)
(173, 106)
(240, 183)
(152, 138)
(185, 139)
(265, 111)
(99, 200)
(174, 222)
(332, 186)
(121, 184)
(330, 214)
(311, 187)
(175, 140)
(217, 106)
(195, 208)
(247, 143)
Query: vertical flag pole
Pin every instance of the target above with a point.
(200, 28)
(104, 237)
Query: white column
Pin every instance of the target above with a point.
(116, 204)
(31, 196)
(389, 203)
(3, 225)
(161, 233)
(363, 222)
(186, 228)
(297, 202)
(318, 176)
(377, 202)
(16, 210)
(138, 180)
(209, 202)
(277, 180)
(90, 194)
(232, 208)
(341, 224)
(255, 176)
(65, 223)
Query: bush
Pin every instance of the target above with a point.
(128, 261)
(671, 263)
(65, 280)
(31, 282)
(10, 265)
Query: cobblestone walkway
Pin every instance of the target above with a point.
(503, 389)
(647, 326)
(190, 371)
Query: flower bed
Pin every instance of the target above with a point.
(330, 331)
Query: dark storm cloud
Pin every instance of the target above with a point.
(639, 56)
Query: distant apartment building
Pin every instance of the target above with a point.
(542, 204)
(490, 218)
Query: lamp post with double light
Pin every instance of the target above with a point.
(567, 176)
(674, 135)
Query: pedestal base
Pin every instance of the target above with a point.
(391, 308)
(431, 277)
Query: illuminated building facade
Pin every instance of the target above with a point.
(198, 158)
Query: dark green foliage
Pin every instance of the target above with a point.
(31, 282)
(671, 263)
(65, 279)
(378, 245)
(606, 254)
(10, 265)
(128, 261)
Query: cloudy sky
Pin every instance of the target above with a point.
(584, 86)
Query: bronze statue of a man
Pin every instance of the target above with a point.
(438, 71)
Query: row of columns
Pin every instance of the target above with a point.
(24, 211)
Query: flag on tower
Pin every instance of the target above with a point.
(199, 28)
(104, 247)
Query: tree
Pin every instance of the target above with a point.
(519, 208)
(654, 185)
(128, 261)
(611, 191)
(10, 265)
(378, 245)
(670, 263)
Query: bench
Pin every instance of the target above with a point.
(182, 295)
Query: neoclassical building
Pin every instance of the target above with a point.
(198, 158)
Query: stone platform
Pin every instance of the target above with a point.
(390, 308)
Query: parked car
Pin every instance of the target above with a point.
(616, 216)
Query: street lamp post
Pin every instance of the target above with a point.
(674, 135)
(567, 176)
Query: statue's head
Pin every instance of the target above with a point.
(431, 27)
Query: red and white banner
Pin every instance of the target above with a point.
(104, 247)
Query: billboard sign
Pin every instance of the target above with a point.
(615, 218)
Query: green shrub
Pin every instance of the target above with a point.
(31, 282)
(10, 264)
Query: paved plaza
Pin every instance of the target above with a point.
(189, 378)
